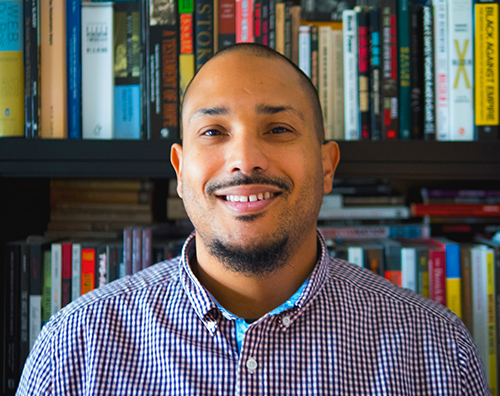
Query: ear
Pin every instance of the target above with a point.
(331, 156)
(176, 160)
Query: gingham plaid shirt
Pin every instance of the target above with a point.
(160, 333)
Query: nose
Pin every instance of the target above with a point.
(246, 154)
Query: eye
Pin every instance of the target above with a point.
(279, 130)
(212, 132)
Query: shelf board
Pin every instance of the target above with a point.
(419, 160)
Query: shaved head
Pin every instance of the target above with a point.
(262, 51)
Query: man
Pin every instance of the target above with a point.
(254, 305)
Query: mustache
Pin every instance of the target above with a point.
(242, 180)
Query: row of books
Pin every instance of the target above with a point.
(463, 277)
(395, 70)
(411, 71)
(44, 274)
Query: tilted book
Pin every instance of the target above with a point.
(97, 71)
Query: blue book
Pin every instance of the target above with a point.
(73, 50)
(403, 28)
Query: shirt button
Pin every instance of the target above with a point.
(286, 320)
(251, 365)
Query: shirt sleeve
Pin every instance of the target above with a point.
(36, 378)
(472, 370)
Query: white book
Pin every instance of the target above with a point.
(35, 321)
(338, 85)
(364, 213)
(76, 271)
(97, 70)
(351, 99)
(441, 74)
(355, 255)
(56, 278)
(305, 50)
(460, 68)
(409, 268)
(325, 77)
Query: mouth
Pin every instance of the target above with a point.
(248, 198)
(247, 201)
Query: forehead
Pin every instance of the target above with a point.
(245, 77)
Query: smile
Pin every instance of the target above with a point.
(249, 198)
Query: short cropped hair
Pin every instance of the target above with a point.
(305, 82)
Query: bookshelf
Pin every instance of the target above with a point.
(410, 160)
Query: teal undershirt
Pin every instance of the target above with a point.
(243, 324)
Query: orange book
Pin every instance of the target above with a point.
(53, 84)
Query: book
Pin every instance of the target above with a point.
(203, 31)
(390, 75)
(325, 59)
(24, 281)
(76, 270)
(127, 79)
(288, 29)
(279, 26)
(363, 72)
(47, 286)
(136, 249)
(460, 66)
(295, 16)
(244, 21)
(127, 250)
(403, 32)
(428, 75)
(314, 56)
(375, 70)
(161, 92)
(486, 70)
(455, 210)
(12, 109)
(56, 278)
(97, 70)
(466, 273)
(392, 265)
(351, 116)
(73, 67)
(441, 72)
(272, 23)
(227, 23)
(305, 50)
(381, 231)
(337, 124)
(257, 21)
(316, 10)
(265, 21)
(88, 266)
(409, 268)
(66, 273)
(453, 275)
(53, 83)
(416, 82)
(186, 56)
(31, 61)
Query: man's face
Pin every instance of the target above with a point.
(250, 171)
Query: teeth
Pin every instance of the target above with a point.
(251, 198)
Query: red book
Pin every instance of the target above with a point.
(244, 21)
(66, 273)
(455, 210)
(88, 269)
(227, 23)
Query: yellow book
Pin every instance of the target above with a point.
(486, 64)
(280, 28)
(11, 69)
(186, 72)
(53, 84)
(454, 295)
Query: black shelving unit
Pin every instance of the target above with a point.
(411, 160)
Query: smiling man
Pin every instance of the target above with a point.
(254, 305)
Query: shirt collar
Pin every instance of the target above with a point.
(205, 306)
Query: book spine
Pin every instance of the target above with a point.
(441, 72)
(112, 262)
(47, 285)
(423, 272)
(486, 70)
(147, 247)
(66, 273)
(355, 256)
(35, 290)
(265, 22)
(437, 276)
(204, 31)
(466, 275)
(305, 50)
(272, 23)
(73, 52)
(375, 97)
(351, 116)
(145, 71)
(409, 268)
(136, 249)
(101, 275)
(403, 29)
(186, 39)
(295, 24)
(24, 304)
(338, 84)
(416, 72)
(88, 269)
(491, 365)
(389, 84)
(162, 69)
(325, 77)
(97, 87)
(227, 23)
(280, 27)
(53, 84)
(12, 108)
(314, 56)
(456, 210)
(460, 43)
(244, 21)
(257, 21)
(428, 49)
(56, 277)
(127, 250)
(363, 73)
(30, 66)
(393, 271)
(453, 279)
(127, 78)
(76, 271)
(288, 29)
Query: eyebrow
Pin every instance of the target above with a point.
(268, 109)
(260, 109)
(211, 111)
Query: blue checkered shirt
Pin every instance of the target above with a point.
(160, 333)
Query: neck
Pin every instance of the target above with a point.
(252, 296)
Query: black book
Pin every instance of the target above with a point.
(428, 54)
(288, 29)
(24, 279)
(31, 69)
(416, 71)
(375, 64)
(314, 56)
(363, 72)
(272, 23)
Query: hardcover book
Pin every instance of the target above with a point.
(203, 31)
(227, 23)
(73, 52)
(375, 70)
(244, 21)
(363, 72)
(441, 72)
(31, 60)
(428, 100)
(351, 118)
(403, 29)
